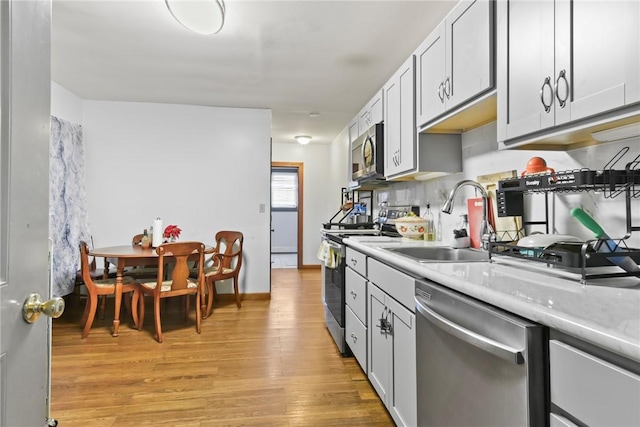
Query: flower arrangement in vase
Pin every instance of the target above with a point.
(171, 233)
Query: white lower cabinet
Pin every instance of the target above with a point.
(356, 310)
(590, 390)
(392, 355)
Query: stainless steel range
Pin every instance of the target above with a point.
(333, 281)
(333, 270)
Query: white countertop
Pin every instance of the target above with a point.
(604, 315)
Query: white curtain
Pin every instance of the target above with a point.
(68, 222)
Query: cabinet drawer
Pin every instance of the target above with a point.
(357, 261)
(356, 337)
(356, 294)
(398, 285)
(592, 390)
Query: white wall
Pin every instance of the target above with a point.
(65, 105)
(319, 198)
(202, 168)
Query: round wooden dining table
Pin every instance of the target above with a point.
(126, 256)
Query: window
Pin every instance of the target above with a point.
(284, 189)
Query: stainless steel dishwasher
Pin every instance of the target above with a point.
(477, 365)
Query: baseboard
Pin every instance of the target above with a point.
(244, 297)
(311, 267)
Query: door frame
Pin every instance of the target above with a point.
(300, 168)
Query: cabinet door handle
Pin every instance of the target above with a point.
(353, 294)
(447, 87)
(562, 75)
(354, 337)
(440, 92)
(547, 82)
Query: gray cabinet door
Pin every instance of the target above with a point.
(469, 52)
(403, 397)
(378, 344)
(430, 76)
(528, 68)
(565, 60)
(597, 57)
(455, 62)
(400, 124)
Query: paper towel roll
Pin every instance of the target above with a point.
(157, 232)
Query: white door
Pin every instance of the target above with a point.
(24, 186)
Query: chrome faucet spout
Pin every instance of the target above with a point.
(485, 227)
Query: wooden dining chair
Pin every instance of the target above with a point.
(179, 284)
(97, 288)
(224, 264)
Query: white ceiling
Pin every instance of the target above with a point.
(293, 57)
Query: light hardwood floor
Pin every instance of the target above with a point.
(270, 363)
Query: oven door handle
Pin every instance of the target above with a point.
(334, 246)
(496, 348)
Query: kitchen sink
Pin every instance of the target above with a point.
(441, 254)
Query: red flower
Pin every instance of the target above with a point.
(171, 231)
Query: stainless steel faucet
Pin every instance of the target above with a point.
(486, 231)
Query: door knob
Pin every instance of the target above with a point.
(33, 307)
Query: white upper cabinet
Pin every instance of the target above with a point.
(455, 63)
(563, 61)
(353, 130)
(371, 113)
(399, 121)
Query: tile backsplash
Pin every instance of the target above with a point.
(481, 156)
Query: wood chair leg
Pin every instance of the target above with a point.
(156, 315)
(235, 289)
(93, 305)
(198, 315)
(141, 311)
(134, 307)
(203, 297)
(211, 286)
(187, 303)
(85, 313)
(103, 303)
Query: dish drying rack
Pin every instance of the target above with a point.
(609, 181)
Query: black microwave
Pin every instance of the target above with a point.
(367, 155)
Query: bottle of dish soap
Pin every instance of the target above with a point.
(429, 227)
(146, 240)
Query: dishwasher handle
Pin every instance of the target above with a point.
(496, 348)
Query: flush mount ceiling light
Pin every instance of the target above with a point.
(303, 139)
(200, 16)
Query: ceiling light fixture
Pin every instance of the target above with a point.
(303, 139)
(200, 16)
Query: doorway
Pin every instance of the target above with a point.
(286, 214)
